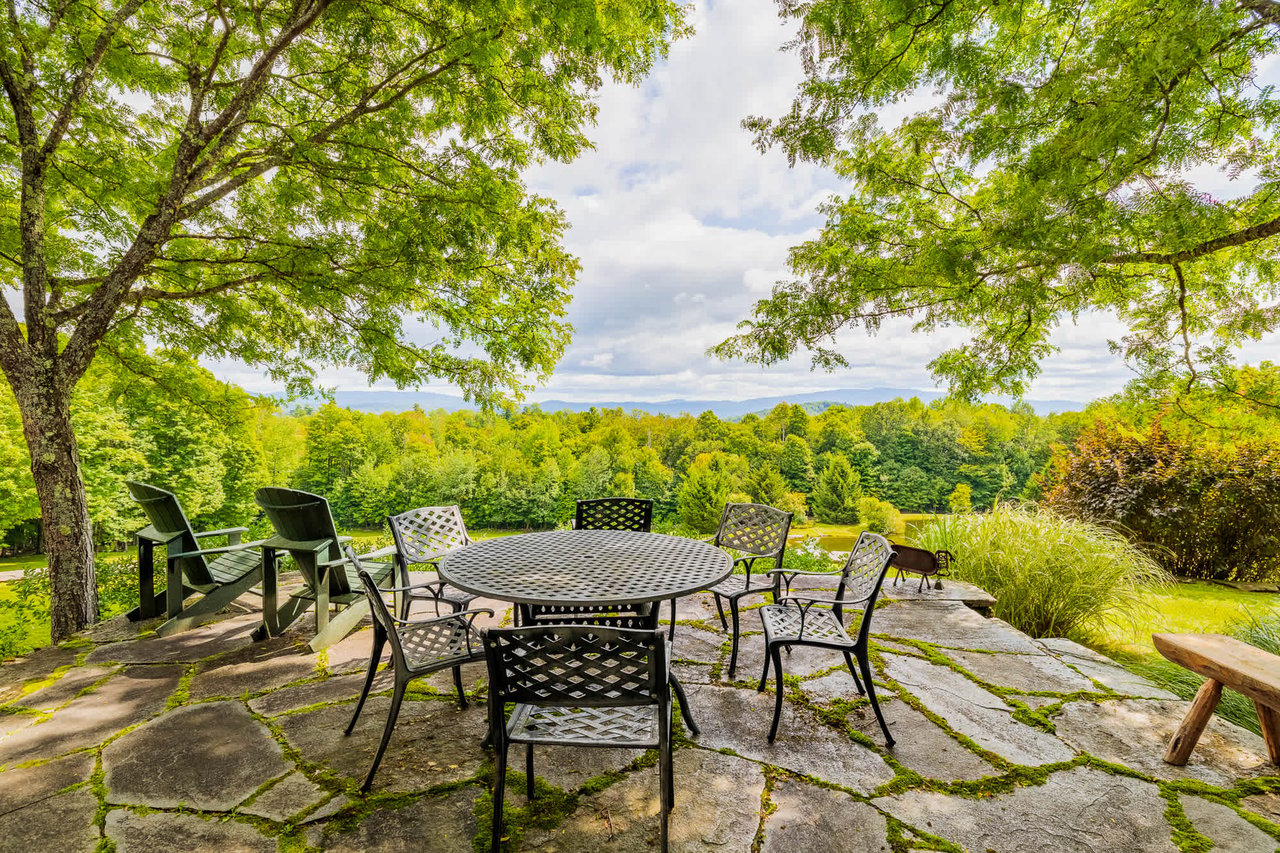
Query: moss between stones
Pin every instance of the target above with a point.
(182, 693)
(1185, 837)
(767, 806)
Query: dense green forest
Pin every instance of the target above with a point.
(166, 420)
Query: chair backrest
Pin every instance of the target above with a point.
(863, 575)
(428, 532)
(643, 616)
(165, 513)
(754, 529)
(303, 517)
(614, 514)
(377, 606)
(580, 666)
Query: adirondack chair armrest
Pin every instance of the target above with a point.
(226, 531)
(379, 554)
(226, 549)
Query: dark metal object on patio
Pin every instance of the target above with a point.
(419, 647)
(795, 621)
(760, 533)
(926, 564)
(422, 537)
(304, 527)
(233, 569)
(614, 514)
(578, 685)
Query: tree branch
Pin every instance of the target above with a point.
(1253, 233)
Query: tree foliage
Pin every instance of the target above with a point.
(1204, 510)
(1053, 171)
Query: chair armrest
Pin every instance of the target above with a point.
(204, 552)
(226, 531)
(807, 601)
(797, 573)
(468, 616)
(379, 554)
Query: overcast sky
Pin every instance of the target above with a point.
(681, 224)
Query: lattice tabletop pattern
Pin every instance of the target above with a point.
(586, 567)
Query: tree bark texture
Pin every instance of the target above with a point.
(64, 508)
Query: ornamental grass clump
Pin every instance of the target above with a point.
(1051, 576)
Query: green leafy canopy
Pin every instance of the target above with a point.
(1052, 173)
(293, 183)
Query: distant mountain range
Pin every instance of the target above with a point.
(813, 402)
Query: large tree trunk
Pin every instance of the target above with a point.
(64, 508)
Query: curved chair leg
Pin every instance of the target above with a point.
(671, 633)
(528, 771)
(685, 712)
(764, 676)
(457, 683)
(499, 789)
(865, 665)
(379, 639)
(720, 610)
(396, 698)
(848, 659)
(666, 785)
(733, 657)
(777, 699)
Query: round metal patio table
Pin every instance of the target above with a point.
(589, 568)
(586, 567)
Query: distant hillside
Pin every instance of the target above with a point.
(813, 402)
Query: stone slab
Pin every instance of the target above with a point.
(433, 743)
(209, 756)
(16, 674)
(1080, 810)
(129, 697)
(802, 662)
(286, 798)
(161, 832)
(1103, 669)
(253, 669)
(908, 589)
(818, 820)
(1225, 827)
(738, 719)
(571, 767)
(26, 785)
(1263, 805)
(186, 647)
(697, 646)
(66, 688)
(950, 624)
(717, 808)
(63, 823)
(1135, 732)
(439, 824)
(974, 712)
(1022, 672)
(921, 745)
(338, 688)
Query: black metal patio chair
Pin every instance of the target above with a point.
(220, 574)
(422, 537)
(797, 620)
(418, 647)
(578, 685)
(758, 532)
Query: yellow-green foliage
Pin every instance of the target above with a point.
(1050, 575)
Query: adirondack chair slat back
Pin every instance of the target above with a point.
(304, 517)
(165, 514)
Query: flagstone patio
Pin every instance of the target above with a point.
(208, 741)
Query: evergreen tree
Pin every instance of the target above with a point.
(835, 498)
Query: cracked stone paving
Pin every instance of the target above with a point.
(206, 740)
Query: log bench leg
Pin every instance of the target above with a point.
(1184, 739)
(1269, 719)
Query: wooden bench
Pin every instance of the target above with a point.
(1225, 662)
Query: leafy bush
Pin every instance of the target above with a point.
(1051, 575)
(880, 516)
(24, 617)
(809, 556)
(1209, 511)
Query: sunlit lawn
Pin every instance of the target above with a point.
(1185, 608)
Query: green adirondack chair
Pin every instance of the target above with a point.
(221, 574)
(304, 528)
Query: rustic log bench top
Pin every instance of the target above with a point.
(1224, 661)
